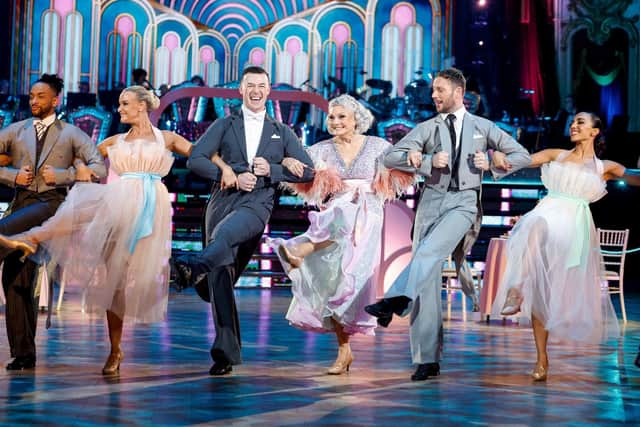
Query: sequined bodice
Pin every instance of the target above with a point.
(363, 166)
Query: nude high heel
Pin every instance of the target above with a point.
(342, 363)
(27, 247)
(512, 304)
(540, 373)
(112, 365)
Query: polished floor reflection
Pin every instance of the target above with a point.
(164, 381)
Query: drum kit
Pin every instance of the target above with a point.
(416, 104)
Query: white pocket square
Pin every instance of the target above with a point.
(275, 136)
(478, 136)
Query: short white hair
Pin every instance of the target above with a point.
(363, 116)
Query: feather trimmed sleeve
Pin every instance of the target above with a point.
(390, 183)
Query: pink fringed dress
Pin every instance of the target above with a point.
(338, 281)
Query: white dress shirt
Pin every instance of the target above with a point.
(253, 123)
(457, 125)
(47, 121)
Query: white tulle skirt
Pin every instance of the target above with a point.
(89, 237)
(570, 301)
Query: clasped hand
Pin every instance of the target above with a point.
(247, 181)
(25, 175)
(261, 167)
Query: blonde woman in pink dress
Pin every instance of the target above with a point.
(332, 265)
(115, 239)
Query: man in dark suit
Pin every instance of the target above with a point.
(42, 151)
(253, 145)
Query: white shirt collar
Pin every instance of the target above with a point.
(459, 113)
(250, 115)
(47, 121)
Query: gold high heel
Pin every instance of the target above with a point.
(27, 247)
(289, 258)
(512, 304)
(112, 365)
(539, 373)
(341, 365)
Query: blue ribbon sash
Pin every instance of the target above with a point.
(144, 223)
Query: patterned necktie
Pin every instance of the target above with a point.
(41, 128)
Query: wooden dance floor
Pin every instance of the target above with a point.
(164, 378)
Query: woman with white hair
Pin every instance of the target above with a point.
(332, 265)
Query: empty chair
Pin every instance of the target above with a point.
(613, 244)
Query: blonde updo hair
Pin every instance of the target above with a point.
(144, 95)
(363, 116)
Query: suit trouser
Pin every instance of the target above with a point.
(448, 216)
(28, 210)
(240, 229)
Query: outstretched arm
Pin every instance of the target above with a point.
(500, 161)
(177, 144)
(614, 170)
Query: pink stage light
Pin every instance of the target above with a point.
(257, 56)
(171, 41)
(505, 193)
(63, 7)
(505, 206)
(206, 55)
(293, 46)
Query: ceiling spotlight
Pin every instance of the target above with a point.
(480, 43)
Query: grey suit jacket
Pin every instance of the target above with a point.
(63, 143)
(432, 136)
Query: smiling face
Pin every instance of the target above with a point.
(582, 129)
(341, 122)
(254, 89)
(130, 107)
(43, 100)
(446, 97)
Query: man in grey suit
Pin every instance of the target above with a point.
(42, 150)
(253, 145)
(449, 150)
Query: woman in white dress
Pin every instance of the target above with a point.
(554, 274)
(115, 239)
(332, 265)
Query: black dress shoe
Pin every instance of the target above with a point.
(220, 368)
(385, 308)
(22, 362)
(182, 271)
(185, 275)
(426, 370)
